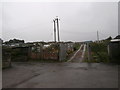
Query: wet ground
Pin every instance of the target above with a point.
(60, 75)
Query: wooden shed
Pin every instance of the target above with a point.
(114, 50)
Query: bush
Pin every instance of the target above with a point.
(99, 52)
(76, 46)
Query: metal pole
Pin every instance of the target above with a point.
(88, 51)
(97, 36)
(58, 30)
(54, 30)
(119, 18)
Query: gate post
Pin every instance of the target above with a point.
(62, 51)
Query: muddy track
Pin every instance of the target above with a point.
(79, 55)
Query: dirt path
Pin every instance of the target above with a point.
(79, 55)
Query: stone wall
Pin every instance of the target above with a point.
(19, 54)
(6, 58)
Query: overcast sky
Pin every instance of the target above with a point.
(79, 21)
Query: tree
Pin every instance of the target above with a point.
(109, 38)
(14, 41)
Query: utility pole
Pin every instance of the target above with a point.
(54, 30)
(88, 50)
(56, 21)
(97, 36)
(58, 29)
(119, 18)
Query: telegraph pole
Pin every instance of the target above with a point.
(97, 36)
(88, 51)
(54, 30)
(58, 29)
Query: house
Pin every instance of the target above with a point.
(70, 46)
(114, 49)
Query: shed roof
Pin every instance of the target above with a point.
(115, 40)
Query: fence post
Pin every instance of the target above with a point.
(62, 51)
(88, 49)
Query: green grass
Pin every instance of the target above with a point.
(98, 53)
